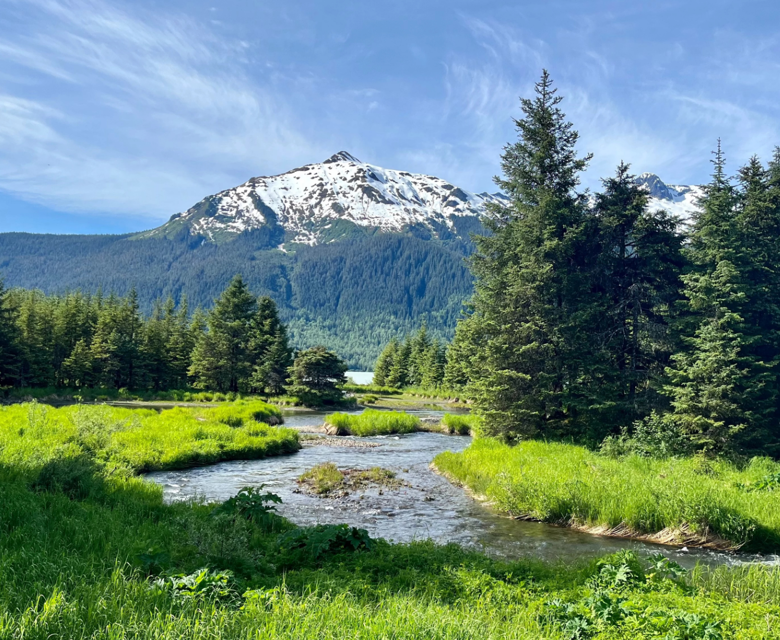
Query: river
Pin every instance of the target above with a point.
(430, 507)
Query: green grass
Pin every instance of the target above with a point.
(462, 424)
(139, 439)
(323, 478)
(113, 562)
(372, 422)
(562, 483)
(371, 388)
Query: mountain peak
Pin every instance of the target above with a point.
(339, 198)
(656, 187)
(343, 156)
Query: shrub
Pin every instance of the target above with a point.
(325, 539)
(656, 436)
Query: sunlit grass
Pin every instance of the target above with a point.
(564, 483)
(372, 423)
(141, 439)
(83, 543)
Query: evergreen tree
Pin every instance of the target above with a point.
(718, 386)
(533, 306)
(271, 374)
(638, 270)
(399, 374)
(316, 376)
(461, 364)
(270, 348)
(415, 369)
(9, 353)
(384, 365)
(77, 367)
(222, 358)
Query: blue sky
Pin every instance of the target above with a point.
(115, 115)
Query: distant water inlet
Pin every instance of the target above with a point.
(426, 506)
(361, 377)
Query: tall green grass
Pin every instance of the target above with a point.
(563, 483)
(462, 424)
(94, 562)
(32, 435)
(372, 422)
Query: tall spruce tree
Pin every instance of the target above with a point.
(222, 358)
(638, 280)
(718, 388)
(270, 349)
(9, 349)
(384, 365)
(532, 306)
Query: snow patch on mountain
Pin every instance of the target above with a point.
(307, 202)
(682, 201)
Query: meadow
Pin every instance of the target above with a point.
(372, 423)
(90, 550)
(686, 500)
(140, 440)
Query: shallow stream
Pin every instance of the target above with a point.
(430, 507)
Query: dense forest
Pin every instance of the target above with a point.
(80, 341)
(598, 319)
(352, 295)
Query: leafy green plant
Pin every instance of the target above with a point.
(200, 585)
(254, 505)
(325, 539)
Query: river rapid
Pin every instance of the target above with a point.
(430, 507)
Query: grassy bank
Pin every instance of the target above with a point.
(117, 563)
(677, 500)
(112, 561)
(140, 439)
(371, 423)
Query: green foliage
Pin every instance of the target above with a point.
(372, 422)
(254, 505)
(199, 586)
(417, 361)
(656, 436)
(243, 413)
(80, 568)
(317, 377)
(92, 342)
(567, 484)
(352, 296)
(325, 539)
(462, 424)
(245, 347)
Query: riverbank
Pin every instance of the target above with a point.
(138, 440)
(691, 502)
(114, 561)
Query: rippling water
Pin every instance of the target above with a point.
(430, 507)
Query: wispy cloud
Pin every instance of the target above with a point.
(181, 115)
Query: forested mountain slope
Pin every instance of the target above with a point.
(353, 254)
(352, 296)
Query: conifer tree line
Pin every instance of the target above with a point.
(416, 361)
(594, 315)
(78, 340)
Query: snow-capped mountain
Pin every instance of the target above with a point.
(679, 200)
(319, 203)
